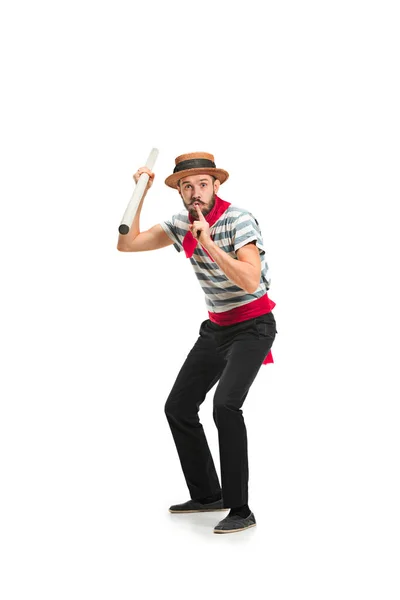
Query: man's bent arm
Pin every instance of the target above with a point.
(241, 273)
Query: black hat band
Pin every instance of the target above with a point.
(194, 163)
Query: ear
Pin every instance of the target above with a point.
(217, 183)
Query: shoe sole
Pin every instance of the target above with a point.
(233, 530)
(197, 510)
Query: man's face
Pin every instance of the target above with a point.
(200, 189)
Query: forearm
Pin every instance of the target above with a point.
(241, 273)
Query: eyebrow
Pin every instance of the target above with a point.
(203, 179)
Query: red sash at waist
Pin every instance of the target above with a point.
(258, 307)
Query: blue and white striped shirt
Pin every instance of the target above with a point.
(235, 228)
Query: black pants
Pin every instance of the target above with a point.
(232, 354)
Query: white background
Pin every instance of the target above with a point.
(299, 101)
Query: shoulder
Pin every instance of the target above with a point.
(181, 218)
(240, 215)
(233, 214)
(235, 211)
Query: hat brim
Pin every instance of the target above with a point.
(172, 180)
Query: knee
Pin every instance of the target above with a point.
(176, 409)
(223, 412)
(170, 408)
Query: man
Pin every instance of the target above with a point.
(225, 247)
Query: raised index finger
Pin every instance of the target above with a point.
(200, 213)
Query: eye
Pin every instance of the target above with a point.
(203, 184)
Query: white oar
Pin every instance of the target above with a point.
(137, 195)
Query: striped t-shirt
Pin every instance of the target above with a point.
(235, 228)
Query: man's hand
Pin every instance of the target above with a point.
(144, 170)
(200, 229)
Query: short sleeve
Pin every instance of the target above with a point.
(170, 230)
(246, 230)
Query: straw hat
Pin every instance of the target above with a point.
(193, 164)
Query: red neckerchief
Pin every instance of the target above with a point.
(189, 242)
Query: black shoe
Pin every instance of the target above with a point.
(235, 523)
(192, 506)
